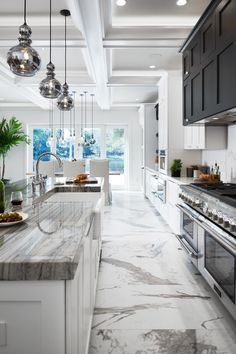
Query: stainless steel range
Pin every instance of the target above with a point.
(208, 234)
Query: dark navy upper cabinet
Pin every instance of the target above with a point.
(209, 63)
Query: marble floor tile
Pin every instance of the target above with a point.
(154, 341)
(150, 298)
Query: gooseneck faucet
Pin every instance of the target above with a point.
(41, 156)
(38, 179)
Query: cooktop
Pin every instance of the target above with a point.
(226, 192)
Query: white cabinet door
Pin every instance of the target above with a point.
(87, 303)
(194, 137)
(172, 193)
(32, 317)
(75, 310)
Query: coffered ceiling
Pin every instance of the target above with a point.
(110, 48)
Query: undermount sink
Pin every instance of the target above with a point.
(65, 197)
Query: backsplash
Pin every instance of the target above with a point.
(226, 159)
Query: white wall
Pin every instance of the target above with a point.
(226, 159)
(16, 162)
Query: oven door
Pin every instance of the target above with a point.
(189, 232)
(218, 264)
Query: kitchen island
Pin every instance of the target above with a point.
(48, 271)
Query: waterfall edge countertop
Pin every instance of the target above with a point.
(47, 245)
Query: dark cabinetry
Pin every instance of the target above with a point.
(209, 63)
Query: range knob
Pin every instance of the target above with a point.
(220, 218)
(226, 222)
(214, 215)
(209, 213)
(232, 225)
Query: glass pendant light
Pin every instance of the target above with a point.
(22, 58)
(86, 142)
(92, 141)
(81, 138)
(50, 87)
(65, 101)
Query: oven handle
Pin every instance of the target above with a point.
(192, 215)
(187, 248)
(221, 239)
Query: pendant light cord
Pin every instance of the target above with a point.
(81, 110)
(74, 116)
(65, 49)
(85, 109)
(52, 115)
(50, 21)
(24, 12)
(92, 114)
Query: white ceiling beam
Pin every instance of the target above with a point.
(86, 16)
(155, 21)
(143, 43)
(137, 73)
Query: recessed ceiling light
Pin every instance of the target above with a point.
(121, 2)
(43, 48)
(152, 66)
(137, 99)
(215, 118)
(181, 2)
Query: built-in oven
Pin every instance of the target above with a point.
(163, 161)
(188, 237)
(218, 262)
(161, 189)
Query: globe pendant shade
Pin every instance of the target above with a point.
(50, 87)
(22, 59)
(65, 101)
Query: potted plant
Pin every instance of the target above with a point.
(11, 134)
(176, 168)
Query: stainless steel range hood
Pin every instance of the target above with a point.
(219, 119)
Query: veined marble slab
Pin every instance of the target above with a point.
(47, 246)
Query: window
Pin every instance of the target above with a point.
(110, 144)
(40, 143)
(65, 149)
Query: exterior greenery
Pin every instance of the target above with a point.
(11, 135)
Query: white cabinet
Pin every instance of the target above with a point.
(47, 317)
(172, 198)
(199, 137)
(194, 137)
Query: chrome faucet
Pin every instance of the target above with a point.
(39, 179)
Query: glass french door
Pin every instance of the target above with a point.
(116, 153)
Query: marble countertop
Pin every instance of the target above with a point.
(47, 245)
(181, 180)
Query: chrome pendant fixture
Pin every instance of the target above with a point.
(22, 58)
(50, 87)
(81, 138)
(86, 142)
(92, 141)
(65, 101)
